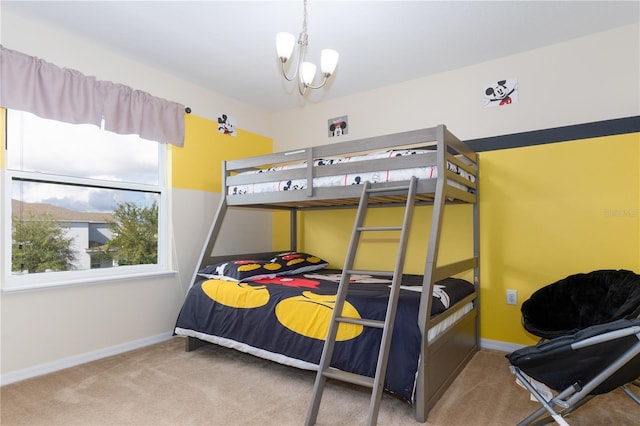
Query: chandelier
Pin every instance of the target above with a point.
(306, 71)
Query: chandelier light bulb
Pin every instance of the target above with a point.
(284, 45)
(307, 73)
(328, 61)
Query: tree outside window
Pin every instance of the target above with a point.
(40, 244)
(135, 234)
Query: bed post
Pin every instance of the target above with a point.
(422, 383)
(211, 237)
(476, 248)
(293, 230)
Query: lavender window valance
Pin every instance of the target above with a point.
(33, 85)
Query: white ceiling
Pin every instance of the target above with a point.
(229, 46)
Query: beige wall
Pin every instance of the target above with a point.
(588, 79)
(42, 331)
(45, 330)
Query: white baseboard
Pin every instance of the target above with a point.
(497, 345)
(50, 367)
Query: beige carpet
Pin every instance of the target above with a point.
(164, 385)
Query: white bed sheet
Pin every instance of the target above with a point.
(429, 172)
(434, 332)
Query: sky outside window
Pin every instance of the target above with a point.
(80, 150)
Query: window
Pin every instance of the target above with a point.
(81, 203)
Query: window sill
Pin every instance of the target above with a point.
(83, 281)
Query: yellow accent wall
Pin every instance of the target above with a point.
(198, 165)
(378, 250)
(549, 211)
(546, 211)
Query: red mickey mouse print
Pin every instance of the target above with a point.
(290, 282)
(291, 256)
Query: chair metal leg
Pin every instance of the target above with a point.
(561, 413)
(631, 395)
(547, 406)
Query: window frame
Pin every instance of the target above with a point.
(12, 282)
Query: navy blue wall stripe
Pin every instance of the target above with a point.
(559, 134)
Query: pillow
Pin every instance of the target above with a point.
(294, 262)
(238, 270)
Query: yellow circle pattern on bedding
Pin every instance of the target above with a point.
(236, 294)
(310, 316)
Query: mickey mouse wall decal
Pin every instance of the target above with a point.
(226, 125)
(502, 92)
(338, 126)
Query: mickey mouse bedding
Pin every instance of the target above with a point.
(280, 309)
(376, 176)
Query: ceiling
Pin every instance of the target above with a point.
(229, 46)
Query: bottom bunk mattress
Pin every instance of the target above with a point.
(286, 318)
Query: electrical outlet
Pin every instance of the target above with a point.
(512, 297)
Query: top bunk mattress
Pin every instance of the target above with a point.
(330, 175)
(347, 179)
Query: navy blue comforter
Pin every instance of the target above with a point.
(289, 316)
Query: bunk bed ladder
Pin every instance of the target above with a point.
(324, 369)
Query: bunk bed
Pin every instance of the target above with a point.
(436, 330)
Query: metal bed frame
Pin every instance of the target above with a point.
(443, 358)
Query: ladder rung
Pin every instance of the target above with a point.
(363, 272)
(379, 228)
(344, 376)
(389, 189)
(362, 321)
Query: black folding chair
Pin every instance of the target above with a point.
(579, 366)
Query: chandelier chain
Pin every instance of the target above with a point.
(304, 18)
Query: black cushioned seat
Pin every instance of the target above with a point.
(580, 301)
